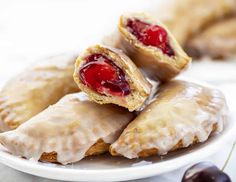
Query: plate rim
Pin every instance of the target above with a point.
(121, 174)
(124, 173)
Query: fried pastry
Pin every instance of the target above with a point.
(151, 46)
(182, 114)
(35, 89)
(108, 76)
(68, 131)
(191, 16)
(216, 41)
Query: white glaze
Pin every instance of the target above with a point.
(181, 112)
(69, 128)
(33, 90)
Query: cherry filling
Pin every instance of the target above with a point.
(101, 75)
(150, 35)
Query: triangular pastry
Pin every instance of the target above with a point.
(35, 89)
(68, 131)
(182, 114)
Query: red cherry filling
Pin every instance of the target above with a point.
(103, 76)
(150, 35)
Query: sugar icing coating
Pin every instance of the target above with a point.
(33, 90)
(69, 128)
(182, 111)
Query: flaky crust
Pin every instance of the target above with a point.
(35, 89)
(140, 87)
(154, 151)
(182, 114)
(68, 131)
(156, 64)
(190, 16)
(216, 41)
(98, 148)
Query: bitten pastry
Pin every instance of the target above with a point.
(68, 131)
(151, 46)
(190, 16)
(108, 76)
(35, 89)
(216, 41)
(182, 114)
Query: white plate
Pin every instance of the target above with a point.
(107, 168)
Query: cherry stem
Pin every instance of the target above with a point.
(229, 156)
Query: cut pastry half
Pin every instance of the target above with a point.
(151, 46)
(107, 75)
(35, 89)
(68, 131)
(182, 114)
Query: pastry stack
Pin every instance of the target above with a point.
(120, 98)
(205, 27)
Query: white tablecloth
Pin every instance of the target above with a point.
(30, 30)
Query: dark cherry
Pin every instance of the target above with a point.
(205, 172)
(103, 76)
(150, 35)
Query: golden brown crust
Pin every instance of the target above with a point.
(154, 151)
(68, 131)
(139, 86)
(98, 148)
(148, 152)
(49, 157)
(152, 60)
(182, 114)
(35, 89)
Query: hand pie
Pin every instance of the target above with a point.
(151, 46)
(109, 76)
(68, 131)
(35, 89)
(217, 41)
(191, 16)
(182, 114)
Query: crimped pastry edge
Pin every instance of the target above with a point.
(154, 151)
(96, 149)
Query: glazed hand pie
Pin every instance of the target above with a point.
(151, 46)
(182, 114)
(35, 89)
(108, 76)
(68, 131)
(216, 41)
(190, 16)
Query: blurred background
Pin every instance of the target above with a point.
(30, 30)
